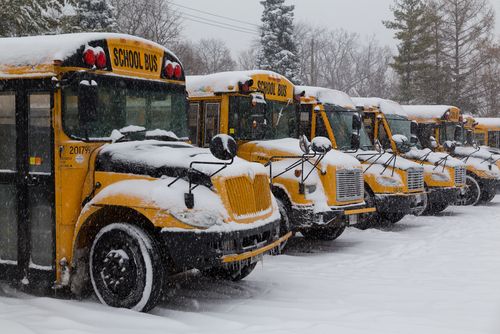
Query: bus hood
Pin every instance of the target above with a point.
(375, 157)
(482, 153)
(435, 158)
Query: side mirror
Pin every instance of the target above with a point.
(223, 147)
(414, 128)
(304, 144)
(355, 141)
(378, 145)
(87, 101)
(402, 143)
(321, 145)
(356, 122)
(413, 140)
(433, 142)
(449, 146)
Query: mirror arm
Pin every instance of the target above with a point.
(315, 166)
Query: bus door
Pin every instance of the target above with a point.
(27, 225)
(204, 122)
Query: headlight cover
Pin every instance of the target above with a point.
(440, 177)
(388, 181)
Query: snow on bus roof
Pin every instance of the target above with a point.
(426, 111)
(388, 107)
(33, 50)
(327, 95)
(488, 121)
(222, 82)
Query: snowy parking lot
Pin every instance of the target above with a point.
(425, 275)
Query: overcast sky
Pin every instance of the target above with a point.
(361, 16)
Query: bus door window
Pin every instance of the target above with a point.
(193, 122)
(369, 124)
(212, 119)
(40, 170)
(8, 193)
(383, 136)
(494, 139)
(321, 130)
(479, 138)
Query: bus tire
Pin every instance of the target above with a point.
(437, 207)
(371, 219)
(285, 226)
(487, 195)
(391, 218)
(472, 192)
(125, 267)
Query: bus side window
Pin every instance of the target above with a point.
(8, 131)
(40, 157)
(212, 111)
(193, 116)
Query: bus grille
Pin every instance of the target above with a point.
(459, 175)
(350, 185)
(415, 179)
(247, 197)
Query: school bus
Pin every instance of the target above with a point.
(394, 185)
(443, 128)
(444, 176)
(320, 193)
(99, 191)
(487, 131)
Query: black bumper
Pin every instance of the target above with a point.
(390, 203)
(443, 195)
(304, 217)
(204, 250)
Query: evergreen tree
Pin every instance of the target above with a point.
(95, 15)
(411, 23)
(24, 17)
(278, 51)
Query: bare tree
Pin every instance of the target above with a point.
(187, 53)
(247, 59)
(155, 20)
(214, 56)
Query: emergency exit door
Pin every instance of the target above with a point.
(204, 122)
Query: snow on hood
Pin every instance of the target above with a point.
(372, 156)
(291, 145)
(386, 106)
(222, 82)
(426, 111)
(208, 211)
(433, 157)
(175, 154)
(488, 121)
(35, 50)
(327, 95)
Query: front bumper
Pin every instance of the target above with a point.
(204, 250)
(443, 195)
(395, 203)
(303, 217)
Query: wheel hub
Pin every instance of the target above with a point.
(115, 269)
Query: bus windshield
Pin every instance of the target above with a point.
(448, 131)
(341, 122)
(252, 120)
(123, 102)
(400, 125)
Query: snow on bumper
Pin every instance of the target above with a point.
(392, 203)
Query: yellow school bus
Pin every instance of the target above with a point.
(487, 131)
(319, 193)
(444, 128)
(394, 185)
(99, 191)
(444, 176)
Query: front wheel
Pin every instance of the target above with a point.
(284, 223)
(370, 219)
(472, 192)
(488, 195)
(392, 218)
(125, 267)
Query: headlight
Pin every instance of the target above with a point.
(440, 177)
(310, 188)
(388, 181)
(202, 218)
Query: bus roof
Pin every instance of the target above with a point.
(228, 82)
(428, 112)
(488, 122)
(326, 95)
(388, 107)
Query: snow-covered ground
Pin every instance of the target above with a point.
(425, 275)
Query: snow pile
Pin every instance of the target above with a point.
(371, 156)
(35, 50)
(426, 111)
(386, 106)
(488, 121)
(433, 157)
(175, 154)
(222, 82)
(326, 96)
